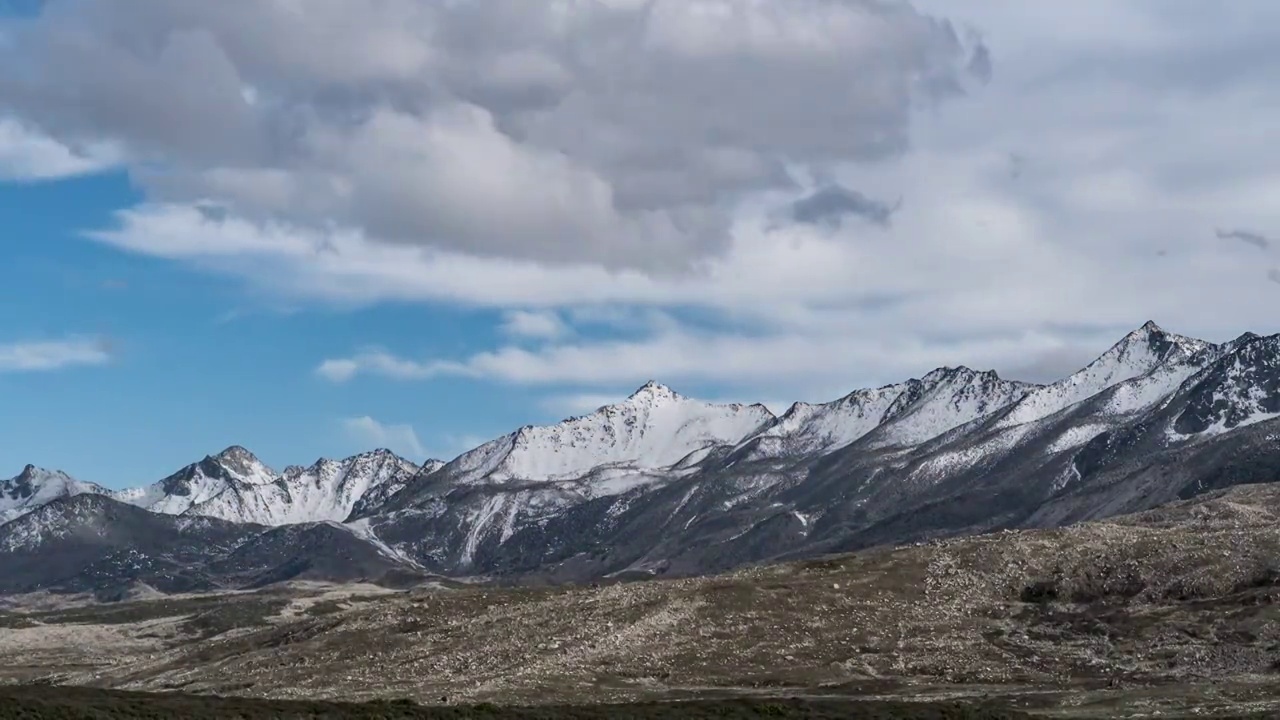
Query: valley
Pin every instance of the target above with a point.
(1169, 611)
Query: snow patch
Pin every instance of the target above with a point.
(362, 529)
(952, 461)
(1076, 437)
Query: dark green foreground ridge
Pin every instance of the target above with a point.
(63, 703)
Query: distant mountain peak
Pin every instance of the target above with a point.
(35, 487)
(1240, 388)
(654, 390)
(33, 475)
(237, 454)
(380, 454)
(235, 463)
(948, 372)
(943, 400)
(1244, 339)
(655, 427)
(30, 473)
(1155, 340)
(234, 485)
(376, 455)
(1140, 353)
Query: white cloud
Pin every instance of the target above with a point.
(384, 364)
(400, 439)
(1138, 128)
(338, 370)
(28, 155)
(538, 325)
(619, 134)
(793, 360)
(44, 355)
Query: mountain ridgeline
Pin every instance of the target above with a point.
(661, 484)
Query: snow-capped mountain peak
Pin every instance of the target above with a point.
(32, 478)
(655, 427)
(243, 466)
(943, 400)
(903, 413)
(1137, 354)
(652, 392)
(234, 485)
(1150, 344)
(1241, 388)
(34, 487)
(1232, 345)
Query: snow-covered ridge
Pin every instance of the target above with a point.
(235, 485)
(807, 428)
(1241, 388)
(944, 400)
(901, 414)
(655, 427)
(657, 434)
(35, 487)
(1137, 354)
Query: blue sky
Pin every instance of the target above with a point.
(194, 365)
(422, 226)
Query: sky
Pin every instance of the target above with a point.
(421, 225)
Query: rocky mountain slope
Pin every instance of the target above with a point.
(664, 484)
(1174, 612)
(91, 543)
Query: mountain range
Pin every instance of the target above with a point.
(234, 485)
(662, 484)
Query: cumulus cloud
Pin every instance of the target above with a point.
(618, 142)
(400, 439)
(621, 134)
(45, 355)
(538, 325)
(28, 155)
